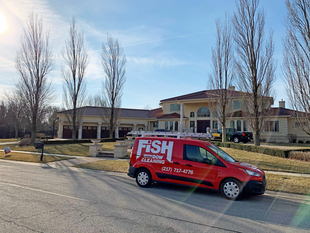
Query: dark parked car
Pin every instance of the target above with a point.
(234, 136)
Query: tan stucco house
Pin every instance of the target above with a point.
(190, 112)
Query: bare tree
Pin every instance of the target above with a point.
(33, 63)
(222, 75)
(76, 61)
(254, 64)
(15, 112)
(114, 63)
(296, 62)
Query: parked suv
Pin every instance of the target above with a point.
(193, 163)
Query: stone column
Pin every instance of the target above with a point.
(134, 127)
(99, 130)
(181, 117)
(80, 131)
(145, 127)
(117, 132)
(60, 129)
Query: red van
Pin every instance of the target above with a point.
(193, 163)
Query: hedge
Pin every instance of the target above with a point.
(257, 149)
(80, 141)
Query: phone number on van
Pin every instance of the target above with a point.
(177, 170)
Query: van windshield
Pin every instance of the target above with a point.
(222, 154)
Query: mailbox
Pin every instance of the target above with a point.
(39, 145)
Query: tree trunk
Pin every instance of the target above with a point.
(256, 138)
(223, 134)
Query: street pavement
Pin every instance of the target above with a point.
(45, 198)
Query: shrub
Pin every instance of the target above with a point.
(24, 142)
(307, 142)
(300, 141)
(27, 136)
(299, 155)
(292, 138)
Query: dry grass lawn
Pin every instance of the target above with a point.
(78, 149)
(35, 158)
(107, 165)
(8, 140)
(288, 184)
(268, 162)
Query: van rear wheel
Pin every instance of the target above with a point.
(231, 189)
(144, 178)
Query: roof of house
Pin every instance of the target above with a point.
(206, 94)
(124, 112)
(169, 116)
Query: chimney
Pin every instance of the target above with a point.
(232, 88)
(281, 104)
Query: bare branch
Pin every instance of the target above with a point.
(113, 62)
(74, 69)
(254, 63)
(33, 63)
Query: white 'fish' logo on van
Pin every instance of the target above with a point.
(155, 147)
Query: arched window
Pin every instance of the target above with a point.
(192, 114)
(232, 124)
(203, 112)
(166, 124)
(238, 125)
(171, 125)
(176, 126)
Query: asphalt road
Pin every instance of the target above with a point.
(36, 198)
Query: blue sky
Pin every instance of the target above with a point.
(167, 42)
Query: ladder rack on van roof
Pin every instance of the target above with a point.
(170, 134)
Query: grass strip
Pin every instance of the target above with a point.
(35, 158)
(78, 149)
(8, 140)
(288, 184)
(107, 165)
(267, 162)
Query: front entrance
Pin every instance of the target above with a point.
(202, 126)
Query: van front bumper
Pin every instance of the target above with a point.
(254, 187)
(131, 171)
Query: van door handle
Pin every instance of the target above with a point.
(188, 165)
(176, 163)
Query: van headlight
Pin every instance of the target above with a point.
(249, 172)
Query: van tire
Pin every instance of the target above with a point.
(144, 178)
(231, 189)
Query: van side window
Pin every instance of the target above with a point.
(198, 154)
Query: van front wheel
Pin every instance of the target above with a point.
(231, 189)
(144, 178)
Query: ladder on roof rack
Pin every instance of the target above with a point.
(171, 134)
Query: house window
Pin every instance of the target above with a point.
(203, 112)
(166, 124)
(155, 124)
(176, 126)
(237, 104)
(215, 114)
(171, 125)
(192, 114)
(272, 126)
(244, 126)
(174, 107)
(298, 124)
(192, 124)
(238, 125)
(232, 124)
(214, 125)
